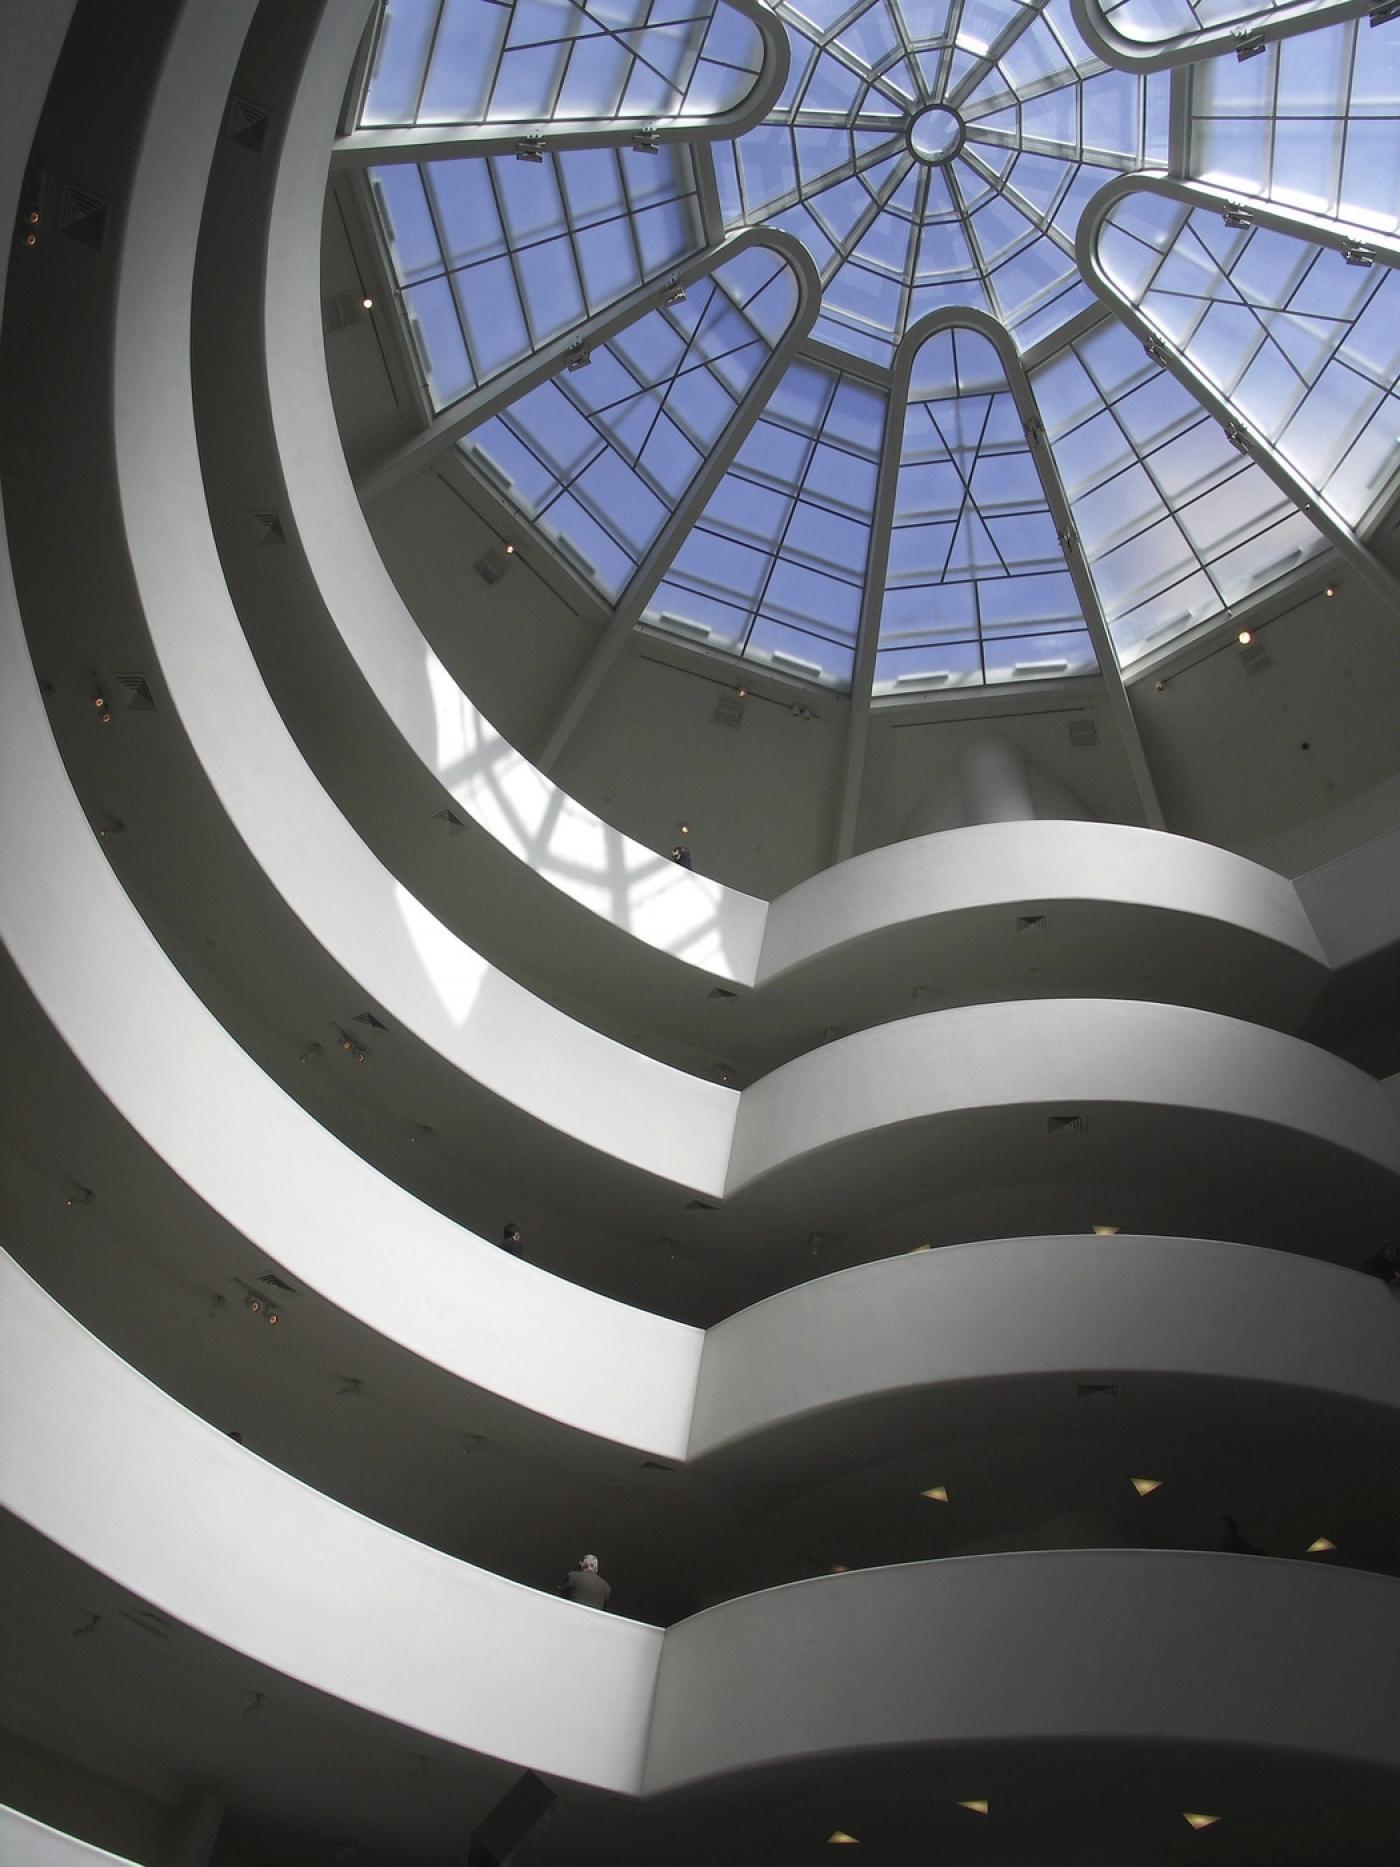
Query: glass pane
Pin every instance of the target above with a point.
(534, 61)
(973, 547)
(1305, 346)
(775, 567)
(601, 456)
(1169, 509)
(518, 252)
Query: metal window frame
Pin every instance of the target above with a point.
(1336, 234)
(1266, 25)
(413, 142)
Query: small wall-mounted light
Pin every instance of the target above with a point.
(271, 1318)
(1105, 1231)
(253, 1303)
(509, 549)
(1319, 1546)
(1199, 1821)
(1331, 590)
(367, 303)
(1145, 1486)
(101, 708)
(838, 1838)
(742, 692)
(684, 829)
(979, 1805)
(938, 1494)
(1245, 637)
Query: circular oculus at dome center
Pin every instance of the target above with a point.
(936, 134)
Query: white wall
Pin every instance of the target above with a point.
(1109, 1646)
(1037, 862)
(1061, 1052)
(1014, 1309)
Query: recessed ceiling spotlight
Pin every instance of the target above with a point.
(840, 1839)
(367, 302)
(1199, 1821)
(1245, 637)
(979, 1805)
(1331, 590)
(1106, 1231)
(1145, 1486)
(916, 1249)
(939, 1493)
(685, 829)
(509, 550)
(1319, 1546)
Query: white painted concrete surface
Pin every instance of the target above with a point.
(1018, 1308)
(107, 1466)
(1154, 1647)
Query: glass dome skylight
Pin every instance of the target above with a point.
(886, 344)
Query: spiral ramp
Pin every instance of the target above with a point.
(881, 1566)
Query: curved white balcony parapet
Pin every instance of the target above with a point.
(27, 1843)
(1159, 1097)
(195, 1096)
(1086, 1647)
(111, 1469)
(1170, 1648)
(864, 1344)
(1211, 921)
(513, 1044)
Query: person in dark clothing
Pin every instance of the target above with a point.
(1385, 1264)
(1228, 1538)
(586, 1585)
(680, 855)
(511, 1239)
